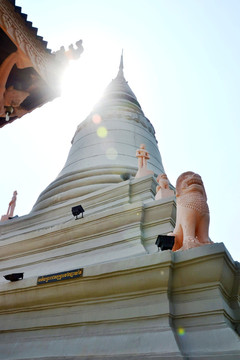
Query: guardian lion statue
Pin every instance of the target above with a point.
(192, 222)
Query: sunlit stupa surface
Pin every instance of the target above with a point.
(104, 146)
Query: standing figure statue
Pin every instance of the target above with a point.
(12, 205)
(11, 208)
(143, 155)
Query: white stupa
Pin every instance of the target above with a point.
(97, 288)
(104, 146)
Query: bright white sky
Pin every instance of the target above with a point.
(181, 59)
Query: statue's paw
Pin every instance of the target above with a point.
(206, 242)
(190, 242)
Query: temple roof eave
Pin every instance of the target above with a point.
(30, 73)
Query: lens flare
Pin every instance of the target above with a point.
(96, 119)
(102, 132)
(181, 331)
(111, 153)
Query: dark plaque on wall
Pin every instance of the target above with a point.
(65, 275)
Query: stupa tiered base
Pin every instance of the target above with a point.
(97, 288)
(159, 306)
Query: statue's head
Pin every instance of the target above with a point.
(189, 182)
(162, 177)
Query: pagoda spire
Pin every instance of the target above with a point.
(120, 71)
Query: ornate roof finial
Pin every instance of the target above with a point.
(120, 71)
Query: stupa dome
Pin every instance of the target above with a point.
(104, 146)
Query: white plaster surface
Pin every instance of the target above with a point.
(122, 309)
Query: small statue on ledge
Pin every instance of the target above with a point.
(11, 208)
(142, 156)
(162, 190)
(192, 222)
(73, 53)
(63, 56)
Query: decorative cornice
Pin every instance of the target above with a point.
(148, 274)
(71, 231)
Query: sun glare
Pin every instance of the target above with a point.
(102, 132)
(79, 90)
(96, 119)
(85, 79)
